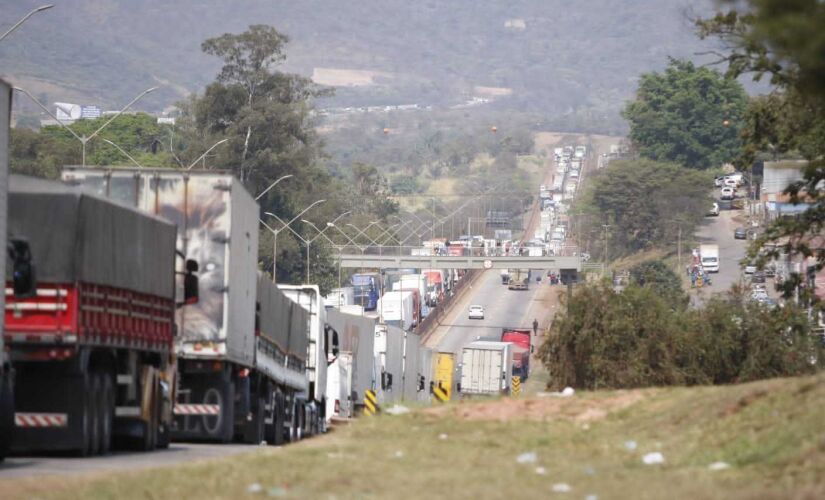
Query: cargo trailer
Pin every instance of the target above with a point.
(486, 368)
(521, 337)
(224, 385)
(6, 372)
(352, 371)
(92, 343)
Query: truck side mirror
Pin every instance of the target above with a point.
(532, 349)
(386, 381)
(421, 383)
(335, 344)
(23, 270)
(191, 286)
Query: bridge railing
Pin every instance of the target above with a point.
(381, 250)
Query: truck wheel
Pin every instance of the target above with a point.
(107, 411)
(255, 429)
(6, 414)
(94, 414)
(227, 401)
(278, 412)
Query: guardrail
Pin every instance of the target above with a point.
(431, 322)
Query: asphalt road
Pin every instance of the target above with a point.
(17, 467)
(502, 308)
(719, 230)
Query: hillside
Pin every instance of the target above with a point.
(758, 440)
(573, 62)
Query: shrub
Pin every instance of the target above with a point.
(641, 337)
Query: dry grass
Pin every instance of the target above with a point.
(771, 434)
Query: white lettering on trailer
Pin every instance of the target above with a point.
(127, 411)
(190, 409)
(41, 419)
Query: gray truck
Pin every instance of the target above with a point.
(242, 349)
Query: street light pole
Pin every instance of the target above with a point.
(270, 186)
(206, 153)
(30, 14)
(124, 153)
(286, 226)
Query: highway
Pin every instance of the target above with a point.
(502, 308)
(17, 467)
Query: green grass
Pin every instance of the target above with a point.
(772, 434)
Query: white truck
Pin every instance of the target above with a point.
(6, 374)
(352, 371)
(396, 309)
(340, 297)
(242, 371)
(486, 368)
(709, 257)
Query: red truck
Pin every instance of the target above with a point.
(92, 342)
(521, 338)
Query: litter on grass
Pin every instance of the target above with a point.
(719, 466)
(562, 488)
(653, 458)
(527, 458)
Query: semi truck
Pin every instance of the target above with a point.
(366, 289)
(709, 257)
(340, 297)
(92, 340)
(522, 349)
(6, 372)
(322, 346)
(398, 308)
(519, 279)
(228, 385)
(352, 372)
(435, 286)
(486, 368)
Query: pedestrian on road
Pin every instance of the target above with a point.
(535, 327)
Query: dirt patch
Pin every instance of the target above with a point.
(743, 402)
(543, 408)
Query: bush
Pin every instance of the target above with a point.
(641, 337)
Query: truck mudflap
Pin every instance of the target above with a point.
(23, 419)
(197, 409)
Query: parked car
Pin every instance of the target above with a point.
(759, 295)
(740, 233)
(719, 181)
(727, 193)
(476, 312)
(750, 268)
(758, 277)
(730, 182)
(714, 210)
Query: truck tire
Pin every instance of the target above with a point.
(87, 417)
(277, 433)
(107, 412)
(6, 414)
(254, 429)
(226, 432)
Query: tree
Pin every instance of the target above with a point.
(636, 338)
(656, 275)
(783, 41)
(644, 202)
(688, 115)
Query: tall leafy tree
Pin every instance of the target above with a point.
(783, 41)
(687, 114)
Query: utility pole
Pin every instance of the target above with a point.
(679, 248)
(605, 227)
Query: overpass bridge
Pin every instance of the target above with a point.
(384, 261)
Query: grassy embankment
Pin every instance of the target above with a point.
(771, 434)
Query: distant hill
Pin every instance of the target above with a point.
(556, 57)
